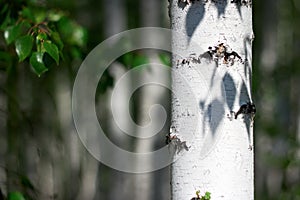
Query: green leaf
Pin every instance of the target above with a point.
(207, 196)
(39, 40)
(72, 32)
(12, 33)
(41, 36)
(48, 60)
(24, 46)
(15, 196)
(52, 50)
(27, 13)
(36, 61)
(65, 27)
(56, 39)
(165, 59)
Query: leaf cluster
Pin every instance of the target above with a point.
(38, 35)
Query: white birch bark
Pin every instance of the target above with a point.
(219, 159)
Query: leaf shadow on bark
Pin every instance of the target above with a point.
(231, 93)
(230, 90)
(196, 13)
(181, 4)
(213, 110)
(211, 119)
(246, 94)
(221, 6)
(244, 98)
(213, 113)
(217, 113)
(247, 68)
(194, 17)
(238, 7)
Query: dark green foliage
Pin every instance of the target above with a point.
(276, 89)
(33, 37)
(11, 33)
(165, 59)
(37, 63)
(206, 196)
(24, 46)
(52, 50)
(199, 197)
(134, 59)
(15, 196)
(39, 34)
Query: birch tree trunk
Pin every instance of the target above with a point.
(211, 81)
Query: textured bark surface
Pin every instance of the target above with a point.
(220, 155)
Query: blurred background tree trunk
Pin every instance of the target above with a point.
(277, 94)
(145, 186)
(120, 184)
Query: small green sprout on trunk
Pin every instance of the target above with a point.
(199, 197)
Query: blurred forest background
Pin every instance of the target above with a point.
(41, 156)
